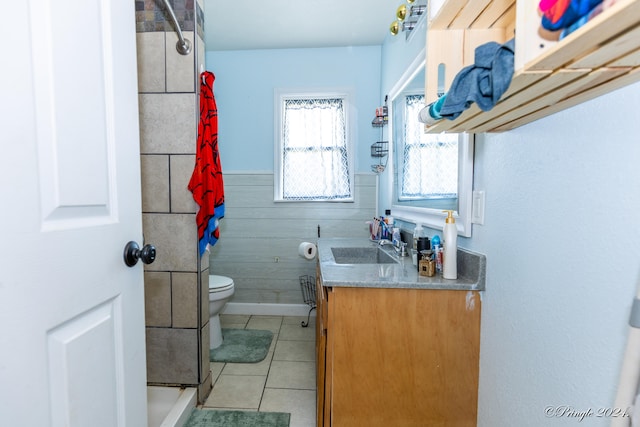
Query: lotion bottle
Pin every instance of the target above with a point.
(417, 233)
(450, 235)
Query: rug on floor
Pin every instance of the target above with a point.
(224, 418)
(242, 346)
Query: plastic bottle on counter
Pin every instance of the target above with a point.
(383, 228)
(417, 233)
(450, 261)
(437, 252)
(388, 219)
(395, 237)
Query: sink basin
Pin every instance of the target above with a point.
(362, 255)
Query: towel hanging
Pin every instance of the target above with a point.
(206, 182)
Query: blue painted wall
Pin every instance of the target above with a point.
(561, 227)
(245, 82)
(561, 238)
(397, 54)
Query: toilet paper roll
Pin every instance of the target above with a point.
(307, 250)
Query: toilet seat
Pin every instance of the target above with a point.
(219, 283)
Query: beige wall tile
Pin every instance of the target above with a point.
(204, 297)
(168, 123)
(168, 127)
(181, 170)
(184, 300)
(180, 68)
(205, 388)
(204, 261)
(175, 239)
(200, 59)
(151, 61)
(205, 366)
(155, 183)
(157, 299)
(172, 356)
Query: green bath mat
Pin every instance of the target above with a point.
(219, 418)
(242, 346)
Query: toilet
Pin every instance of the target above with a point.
(220, 290)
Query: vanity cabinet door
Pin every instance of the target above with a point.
(402, 357)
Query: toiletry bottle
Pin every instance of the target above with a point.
(389, 220)
(387, 230)
(417, 233)
(437, 252)
(395, 237)
(450, 234)
(383, 228)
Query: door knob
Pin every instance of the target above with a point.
(133, 253)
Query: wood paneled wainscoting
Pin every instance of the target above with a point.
(259, 238)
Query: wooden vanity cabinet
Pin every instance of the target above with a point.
(321, 347)
(397, 357)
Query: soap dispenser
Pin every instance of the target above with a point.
(450, 235)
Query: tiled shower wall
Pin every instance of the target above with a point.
(176, 297)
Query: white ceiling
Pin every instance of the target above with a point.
(282, 24)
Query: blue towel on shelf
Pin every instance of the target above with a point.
(484, 82)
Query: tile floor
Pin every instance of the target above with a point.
(284, 382)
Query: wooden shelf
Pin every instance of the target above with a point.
(598, 58)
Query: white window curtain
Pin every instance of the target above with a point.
(430, 164)
(314, 152)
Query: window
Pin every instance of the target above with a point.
(431, 152)
(430, 161)
(312, 154)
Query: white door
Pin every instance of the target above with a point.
(72, 343)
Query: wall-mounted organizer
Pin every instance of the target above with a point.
(378, 122)
(381, 118)
(550, 76)
(380, 149)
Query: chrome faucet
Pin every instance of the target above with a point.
(400, 248)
